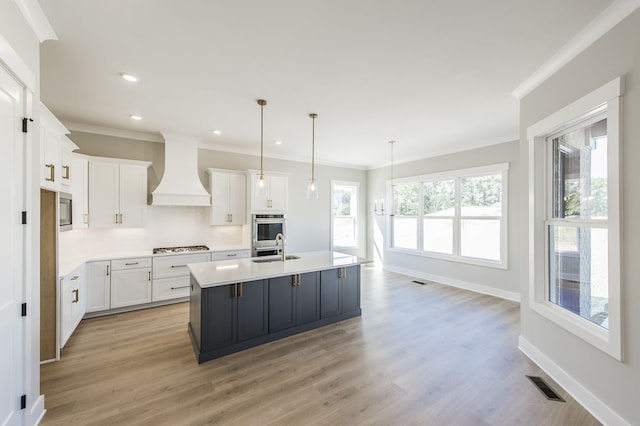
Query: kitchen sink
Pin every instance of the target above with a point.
(275, 259)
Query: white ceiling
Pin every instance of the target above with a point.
(434, 75)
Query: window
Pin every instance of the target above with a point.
(456, 215)
(574, 225)
(344, 214)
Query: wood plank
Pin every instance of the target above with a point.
(48, 275)
(420, 354)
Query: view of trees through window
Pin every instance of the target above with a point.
(461, 215)
(344, 214)
(578, 242)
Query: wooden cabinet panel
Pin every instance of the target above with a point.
(281, 302)
(252, 310)
(307, 304)
(228, 197)
(130, 287)
(98, 286)
(218, 317)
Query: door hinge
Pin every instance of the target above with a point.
(24, 309)
(25, 125)
(24, 218)
(23, 402)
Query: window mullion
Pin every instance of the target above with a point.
(456, 218)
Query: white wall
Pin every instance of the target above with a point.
(499, 282)
(21, 40)
(601, 382)
(308, 220)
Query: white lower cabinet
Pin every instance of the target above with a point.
(73, 299)
(171, 275)
(130, 282)
(98, 286)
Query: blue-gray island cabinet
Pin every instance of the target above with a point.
(239, 304)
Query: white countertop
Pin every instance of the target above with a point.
(211, 274)
(67, 264)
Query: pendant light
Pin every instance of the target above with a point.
(312, 188)
(260, 184)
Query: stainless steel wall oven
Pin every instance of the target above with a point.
(265, 229)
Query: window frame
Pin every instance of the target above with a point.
(356, 224)
(607, 100)
(456, 175)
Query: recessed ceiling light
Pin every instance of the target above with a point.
(277, 142)
(216, 132)
(129, 77)
(135, 117)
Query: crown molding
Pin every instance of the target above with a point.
(36, 19)
(109, 131)
(603, 23)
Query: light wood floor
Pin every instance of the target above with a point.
(420, 354)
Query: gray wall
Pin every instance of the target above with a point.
(308, 220)
(614, 383)
(495, 281)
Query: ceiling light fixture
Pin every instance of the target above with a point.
(135, 117)
(216, 132)
(277, 142)
(129, 77)
(312, 188)
(260, 183)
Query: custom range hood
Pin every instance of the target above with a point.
(180, 184)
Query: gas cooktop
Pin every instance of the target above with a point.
(183, 249)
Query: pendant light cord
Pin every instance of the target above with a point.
(313, 146)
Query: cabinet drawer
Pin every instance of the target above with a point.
(170, 288)
(132, 263)
(230, 254)
(173, 266)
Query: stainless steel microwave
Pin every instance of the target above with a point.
(65, 211)
(265, 229)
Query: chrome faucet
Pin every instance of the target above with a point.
(280, 240)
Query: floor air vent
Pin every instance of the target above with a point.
(419, 282)
(546, 390)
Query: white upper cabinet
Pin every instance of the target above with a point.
(66, 166)
(55, 153)
(228, 197)
(117, 192)
(80, 190)
(276, 193)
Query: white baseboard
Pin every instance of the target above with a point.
(589, 401)
(478, 288)
(37, 411)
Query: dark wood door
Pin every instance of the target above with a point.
(350, 289)
(281, 302)
(308, 298)
(218, 317)
(252, 310)
(329, 293)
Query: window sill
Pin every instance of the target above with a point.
(451, 258)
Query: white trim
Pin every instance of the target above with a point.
(581, 394)
(468, 172)
(108, 131)
(15, 66)
(587, 106)
(603, 23)
(466, 285)
(609, 341)
(36, 19)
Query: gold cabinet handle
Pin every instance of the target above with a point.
(66, 172)
(76, 291)
(52, 173)
(75, 277)
(182, 286)
(240, 290)
(234, 292)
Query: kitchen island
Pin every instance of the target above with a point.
(239, 304)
